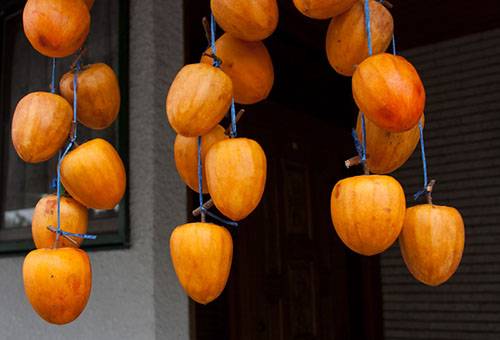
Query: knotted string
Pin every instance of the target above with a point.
(72, 140)
(204, 211)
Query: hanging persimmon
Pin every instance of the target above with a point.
(432, 242)
(346, 40)
(198, 99)
(368, 212)
(57, 283)
(94, 174)
(74, 219)
(40, 126)
(186, 156)
(247, 20)
(387, 151)
(388, 90)
(323, 9)
(249, 66)
(236, 172)
(56, 28)
(202, 254)
(98, 95)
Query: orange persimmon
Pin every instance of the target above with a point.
(56, 28)
(323, 9)
(236, 172)
(57, 283)
(368, 212)
(248, 20)
(346, 41)
(202, 254)
(198, 99)
(432, 242)
(186, 156)
(74, 219)
(98, 95)
(388, 90)
(40, 126)
(249, 66)
(94, 174)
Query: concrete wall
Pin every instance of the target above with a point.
(135, 292)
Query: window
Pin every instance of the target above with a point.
(23, 70)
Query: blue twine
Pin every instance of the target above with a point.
(393, 44)
(424, 163)
(368, 28)
(216, 63)
(363, 136)
(84, 236)
(424, 190)
(220, 219)
(72, 141)
(203, 210)
(213, 27)
(233, 132)
(53, 81)
(357, 143)
(53, 183)
(200, 176)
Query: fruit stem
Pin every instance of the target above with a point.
(356, 160)
(238, 116)
(429, 188)
(387, 4)
(54, 230)
(352, 161)
(365, 168)
(206, 28)
(207, 205)
(79, 56)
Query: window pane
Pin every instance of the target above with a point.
(23, 71)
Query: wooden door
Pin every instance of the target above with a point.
(292, 278)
